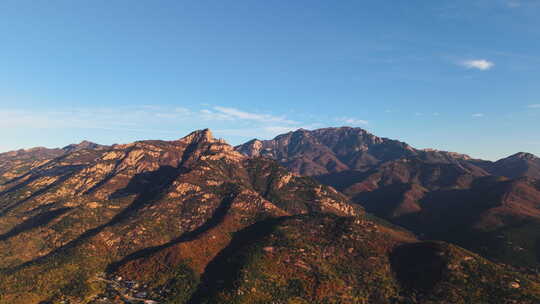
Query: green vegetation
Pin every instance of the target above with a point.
(182, 283)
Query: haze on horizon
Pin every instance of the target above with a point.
(451, 75)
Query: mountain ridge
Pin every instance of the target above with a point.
(417, 188)
(364, 141)
(179, 218)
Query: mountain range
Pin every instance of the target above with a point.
(489, 207)
(333, 215)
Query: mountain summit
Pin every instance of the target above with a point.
(199, 136)
(328, 150)
(519, 164)
(82, 145)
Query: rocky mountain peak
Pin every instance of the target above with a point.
(523, 155)
(199, 136)
(517, 165)
(251, 148)
(202, 145)
(326, 150)
(85, 144)
(450, 154)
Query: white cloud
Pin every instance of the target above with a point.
(256, 132)
(150, 107)
(353, 121)
(279, 129)
(206, 114)
(87, 117)
(149, 121)
(182, 110)
(534, 106)
(28, 119)
(478, 115)
(479, 64)
(115, 119)
(132, 117)
(166, 115)
(242, 115)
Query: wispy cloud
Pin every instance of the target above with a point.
(182, 110)
(209, 115)
(478, 64)
(534, 106)
(243, 115)
(280, 129)
(120, 118)
(477, 115)
(149, 120)
(353, 121)
(123, 115)
(256, 132)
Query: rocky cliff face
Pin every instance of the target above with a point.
(327, 150)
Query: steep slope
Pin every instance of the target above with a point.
(324, 259)
(96, 211)
(491, 215)
(437, 194)
(518, 165)
(496, 217)
(14, 163)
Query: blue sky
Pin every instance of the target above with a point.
(452, 75)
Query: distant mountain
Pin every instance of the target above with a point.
(81, 146)
(15, 162)
(428, 191)
(328, 150)
(518, 165)
(332, 150)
